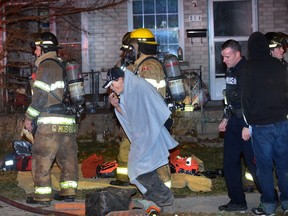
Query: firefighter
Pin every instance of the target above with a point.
(147, 65)
(55, 136)
(124, 50)
(277, 45)
(142, 60)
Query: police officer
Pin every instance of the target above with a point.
(55, 136)
(233, 124)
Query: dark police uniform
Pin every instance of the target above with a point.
(234, 146)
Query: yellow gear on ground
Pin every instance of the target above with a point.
(194, 183)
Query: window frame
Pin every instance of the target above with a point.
(180, 27)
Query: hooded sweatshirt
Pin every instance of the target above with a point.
(263, 95)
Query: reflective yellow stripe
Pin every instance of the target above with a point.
(122, 170)
(156, 84)
(168, 183)
(44, 86)
(32, 112)
(41, 85)
(43, 190)
(68, 184)
(56, 120)
(56, 85)
(248, 176)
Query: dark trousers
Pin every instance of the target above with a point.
(235, 148)
(157, 191)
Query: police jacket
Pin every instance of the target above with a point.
(148, 67)
(48, 89)
(233, 90)
(233, 87)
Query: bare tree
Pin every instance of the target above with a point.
(19, 19)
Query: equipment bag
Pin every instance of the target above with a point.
(103, 201)
(24, 163)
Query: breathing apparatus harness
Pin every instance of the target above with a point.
(73, 97)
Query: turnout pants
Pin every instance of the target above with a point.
(47, 147)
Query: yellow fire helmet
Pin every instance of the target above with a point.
(143, 35)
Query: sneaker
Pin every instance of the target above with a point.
(58, 197)
(260, 212)
(233, 207)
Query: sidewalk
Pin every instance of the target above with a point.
(189, 205)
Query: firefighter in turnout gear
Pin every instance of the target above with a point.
(278, 45)
(147, 64)
(55, 136)
(144, 63)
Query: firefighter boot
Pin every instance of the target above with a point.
(45, 201)
(165, 175)
(122, 178)
(66, 195)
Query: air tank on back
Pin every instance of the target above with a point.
(174, 78)
(75, 82)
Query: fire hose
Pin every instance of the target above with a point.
(33, 209)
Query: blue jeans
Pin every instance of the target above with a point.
(270, 145)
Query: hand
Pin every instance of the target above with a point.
(246, 134)
(223, 124)
(114, 101)
(28, 125)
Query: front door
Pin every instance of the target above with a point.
(228, 19)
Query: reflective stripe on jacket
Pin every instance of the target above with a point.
(57, 120)
(46, 87)
(152, 71)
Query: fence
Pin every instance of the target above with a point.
(15, 93)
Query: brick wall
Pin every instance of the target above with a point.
(196, 49)
(273, 15)
(107, 29)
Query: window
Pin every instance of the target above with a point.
(161, 17)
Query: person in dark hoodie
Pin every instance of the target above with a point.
(265, 107)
